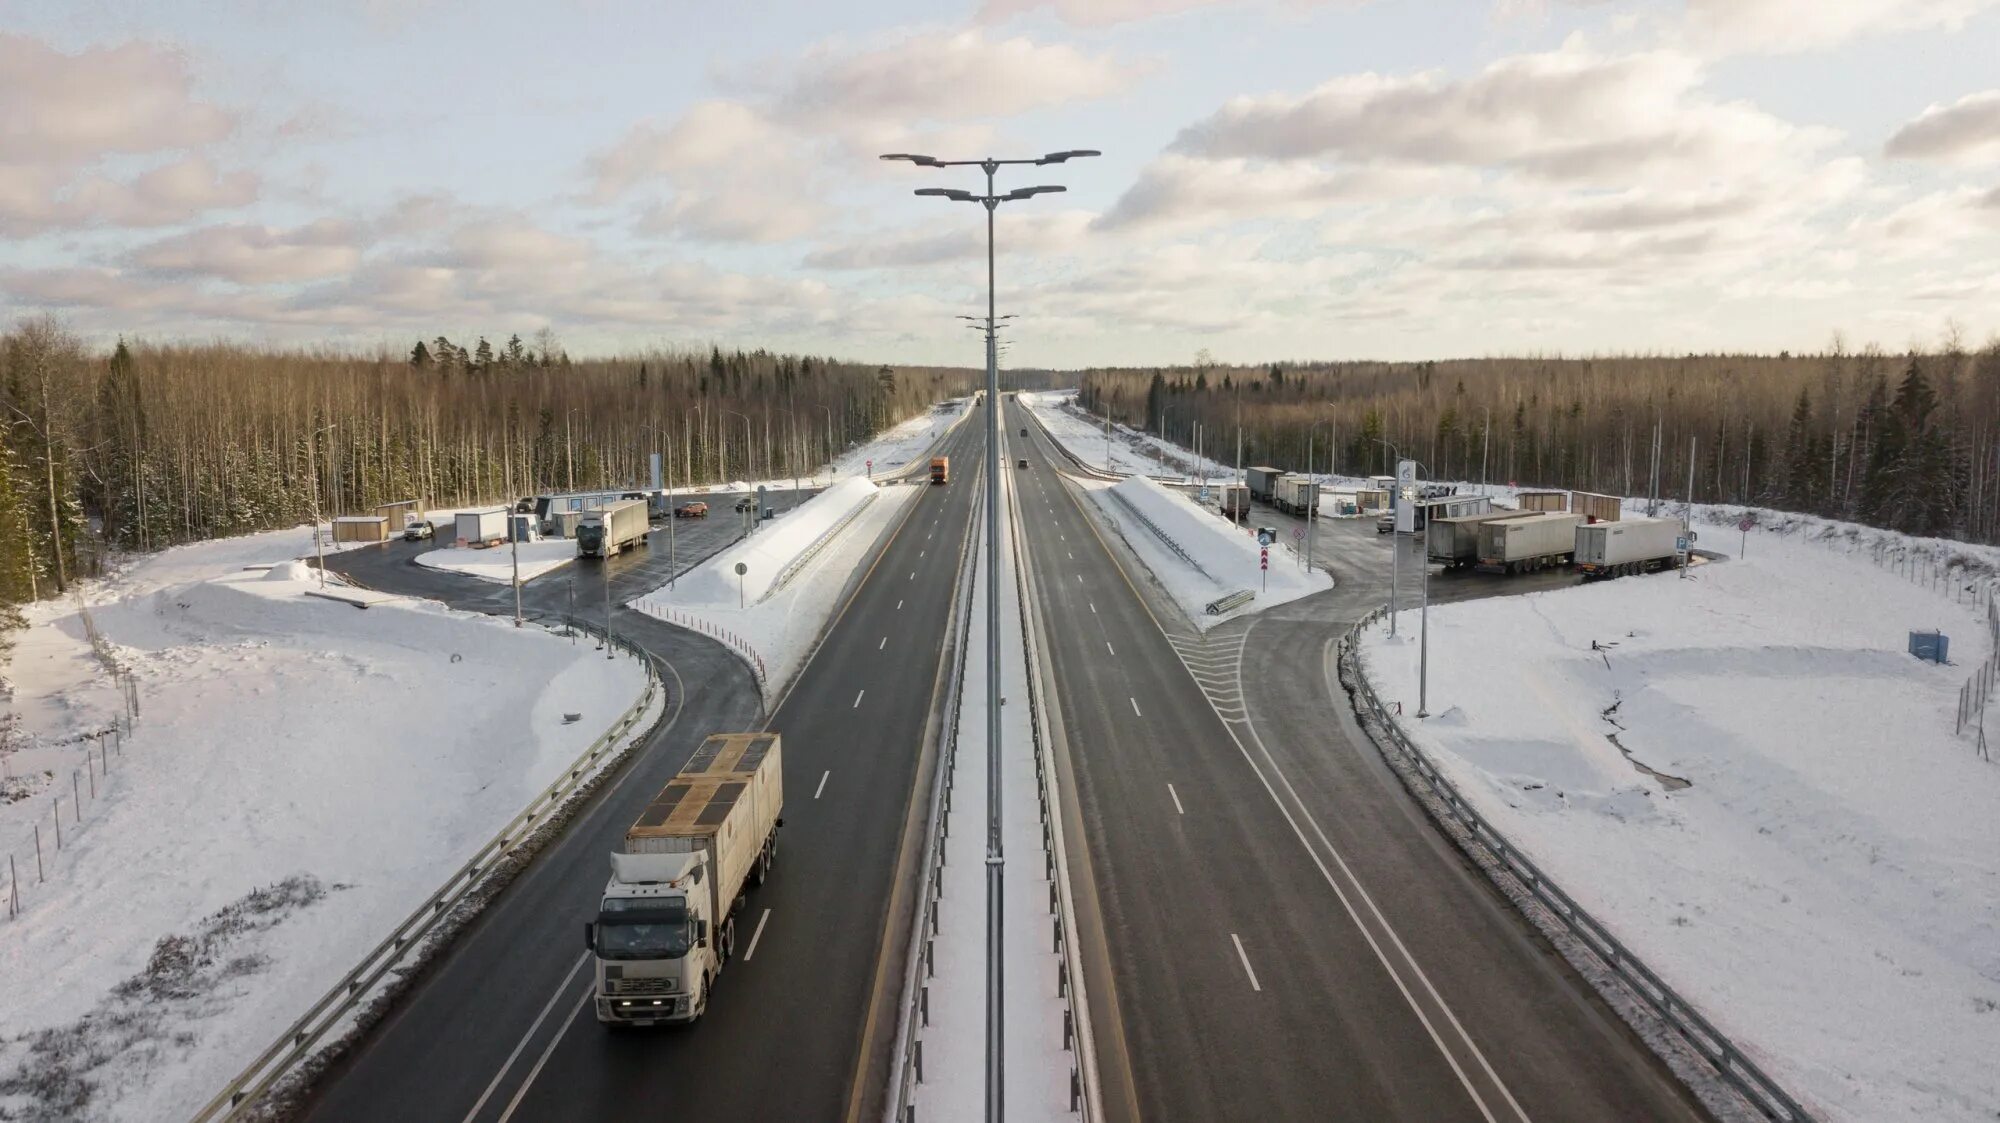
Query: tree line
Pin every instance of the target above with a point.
(148, 445)
(1909, 441)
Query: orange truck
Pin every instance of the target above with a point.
(940, 469)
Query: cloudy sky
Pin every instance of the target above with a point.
(1281, 178)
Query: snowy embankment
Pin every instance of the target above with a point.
(1129, 450)
(1214, 557)
(1745, 777)
(301, 776)
(897, 447)
(496, 563)
(774, 625)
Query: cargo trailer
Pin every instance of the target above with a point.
(1628, 546)
(1534, 541)
(1595, 507)
(1262, 481)
(480, 528)
(612, 528)
(666, 924)
(1453, 540)
(1542, 500)
(1295, 494)
(1234, 500)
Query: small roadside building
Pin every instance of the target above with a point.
(360, 528)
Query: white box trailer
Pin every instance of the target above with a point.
(1527, 543)
(666, 925)
(608, 530)
(1453, 540)
(1295, 494)
(480, 528)
(1628, 546)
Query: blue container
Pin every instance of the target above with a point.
(1934, 646)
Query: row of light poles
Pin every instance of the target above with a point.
(995, 972)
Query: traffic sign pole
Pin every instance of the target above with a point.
(1264, 564)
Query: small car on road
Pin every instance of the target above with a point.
(1021, 463)
(694, 510)
(419, 531)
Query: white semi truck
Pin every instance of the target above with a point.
(1527, 543)
(666, 925)
(608, 530)
(1628, 546)
(1453, 540)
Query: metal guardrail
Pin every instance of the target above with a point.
(296, 1043)
(1225, 603)
(1729, 1061)
(1161, 534)
(906, 1066)
(797, 565)
(1085, 1096)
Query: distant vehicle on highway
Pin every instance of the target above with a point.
(1023, 463)
(940, 469)
(694, 510)
(1024, 430)
(419, 531)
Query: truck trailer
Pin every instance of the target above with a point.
(1453, 540)
(1295, 494)
(480, 528)
(1530, 542)
(608, 530)
(1627, 546)
(1233, 501)
(940, 469)
(666, 925)
(1262, 481)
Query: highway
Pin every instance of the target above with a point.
(500, 1028)
(1286, 936)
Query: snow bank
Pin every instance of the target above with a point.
(1129, 450)
(1220, 558)
(775, 630)
(349, 760)
(496, 563)
(1759, 791)
(902, 444)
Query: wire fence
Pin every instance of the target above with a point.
(90, 759)
(1729, 1061)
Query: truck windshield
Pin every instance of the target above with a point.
(658, 931)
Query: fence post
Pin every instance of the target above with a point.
(40, 875)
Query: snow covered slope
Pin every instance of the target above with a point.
(496, 563)
(1745, 776)
(303, 773)
(1219, 557)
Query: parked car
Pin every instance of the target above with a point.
(1386, 524)
(1022, 463)
(419, 531)
(747, 503)
(694, 510)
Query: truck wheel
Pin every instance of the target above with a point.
(728, 948)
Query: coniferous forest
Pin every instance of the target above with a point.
(1909, 442)
(144, 446)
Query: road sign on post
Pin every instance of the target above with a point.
(1406, 494)
(1264, 564)
(871, 469)
(1744, 524)
(741, 569)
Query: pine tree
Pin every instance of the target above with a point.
(1801, 460)
(516, 354)
(482, 355)
(420, 356)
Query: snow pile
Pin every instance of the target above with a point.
(1130, 450)
(903, 444)
(286, 743)
(496, 563)
(1220, 558)
(777, 628)
(1746, 778)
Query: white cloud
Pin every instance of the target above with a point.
(945, 76)
(1567, 116)
(758, 214)
(1783, 26)
(1968, 130)
(1027, 233)
(256, 255)
(33, 198)
(1181, 192)
(711, 135)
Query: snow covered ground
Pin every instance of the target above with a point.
(1221, 558)
(1745, 776)
(302, 774)
(777, 626)
(496, 563)
(897, 447)
(1130, 450)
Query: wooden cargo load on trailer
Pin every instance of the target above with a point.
(1595, 507)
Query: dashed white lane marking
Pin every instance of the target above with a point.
(1135, 706)
(822, 783)
(1170, 791)
(1093, 608)
(1246, 962)
(755, 936)
(1111, 649)
(857, 700)
(883, 644)
(899, 606)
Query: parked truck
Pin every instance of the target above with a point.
(1233, 500)
(608, 530)
(1453, 540)
(666, 925)
(940, 469)
(480, 528)
(1295, 494)
(1627, 546)
(1262, 481)
(1530, 542)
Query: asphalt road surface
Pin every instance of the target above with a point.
(1287, 936)
(500, 1027)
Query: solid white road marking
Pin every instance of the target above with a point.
(755, 936)
(533, 1028)
(1246, 962)
(1135, 706)
(1177, 799)
(822, 783)
(547, 1052)
(857, 700)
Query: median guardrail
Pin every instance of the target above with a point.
(1758, 1088)
(364, 980)
(798, 564)
(1162, 535)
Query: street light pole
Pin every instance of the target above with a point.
(1424, 614)
(319, 554)
(995, 859)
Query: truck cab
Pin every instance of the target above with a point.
(653, 940)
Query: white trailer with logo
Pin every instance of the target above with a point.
(1527, 543)
(1625, 547)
